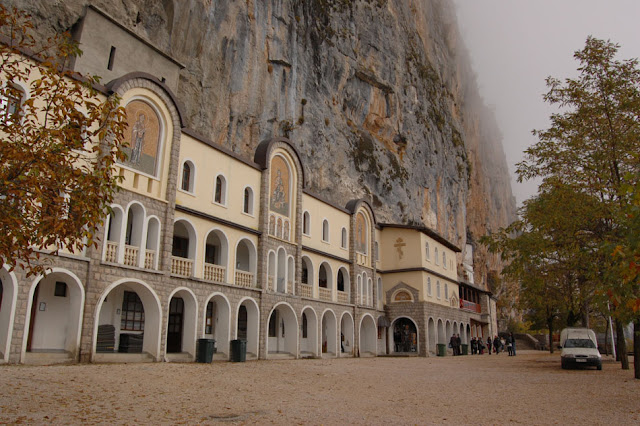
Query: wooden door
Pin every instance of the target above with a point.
(174, 331)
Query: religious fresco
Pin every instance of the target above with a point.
(280, 187)
(402, 296)
(142, 136)
(361, 233)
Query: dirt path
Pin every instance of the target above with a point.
(527, 389)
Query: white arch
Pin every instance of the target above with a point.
(222, 338)
(224, 195)
(329, 334)
(310, 269)
(251, 206)
(152, 346)
(347, 279)
(252, 256)
(224, 249)
(329, 275)
(138, 232)
(193, 235)
(189, 325)
(347, 328)
(192, 176)
(253, 324)
(367, 335)
(118, 212)
(76, 310)
(152, 242)
(415, 325)
(432, 335)
(7, 310)
(281, 268)
(289, 322)
(312, 341)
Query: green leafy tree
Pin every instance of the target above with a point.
(590, 152)
(59, 140)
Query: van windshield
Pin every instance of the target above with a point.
(579, 343)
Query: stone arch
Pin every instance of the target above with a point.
(368, 336)
(184, 247)
(248, 325)
(106, 313)
(325, 276)
(271, 270)
(282, 332)
(54, 315)
(134, 234)
(462, 334)
(217, 321)
(309, 340)
(405, 335)
(182, 323)
(347, 329)
(329, 338)
(343, 283)
(291, 274)
(9, 284)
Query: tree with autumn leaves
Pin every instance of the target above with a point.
(59, 141)
(568, 248)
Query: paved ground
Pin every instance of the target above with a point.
(527, 389)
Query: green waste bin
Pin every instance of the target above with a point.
(238, 350)
(442, 349)
(205, 350)
(465, 349)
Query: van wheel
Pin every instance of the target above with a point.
(563, 364)
(599, 366)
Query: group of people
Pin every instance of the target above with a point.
(496, 345)
(455, 343)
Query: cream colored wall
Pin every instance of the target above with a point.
(318, 211)
(390, 256)
(202, 228)
(209, 163)
(418, 280)
(134, 180)
(449, 270)
(317, 259)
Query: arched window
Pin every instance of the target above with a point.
(446, 291)
(220, 191)
(304, 326)
(11, 98)
(436, 256)
(429, 286)
(247, 205)
(444, 259)
(426, 250)
(438, 289)
(187, 176)
(306, 223)
(325, 231)
(344, 238)
(377, 254)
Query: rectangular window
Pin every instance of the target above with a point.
(132, 318)
(10, 100)
(112, 58)
(208, 328)
(61, 289)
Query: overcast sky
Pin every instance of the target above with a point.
(516, 44)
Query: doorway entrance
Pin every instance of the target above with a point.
(176, 321)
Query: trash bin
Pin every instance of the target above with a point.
(238, 350)
(442, 349)
(205, 350)
(465, 349)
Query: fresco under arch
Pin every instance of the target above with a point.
(143, 137)
(280, 186)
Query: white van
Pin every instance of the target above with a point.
(579, 347)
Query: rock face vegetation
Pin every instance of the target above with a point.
(377, 96)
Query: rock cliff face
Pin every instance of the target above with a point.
(377, 96)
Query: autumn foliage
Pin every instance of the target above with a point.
(59, 140)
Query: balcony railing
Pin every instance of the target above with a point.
(111, 252)
(149, 259)
(244, 279)
(470, 306)
(343, 297)
(306, 290)
(130, 255)
(325, 294)
(361, 259)
(214, 272)
(181, 266)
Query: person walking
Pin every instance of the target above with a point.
(489, 344)
(474, 346)
(452, 344)
(509, 347)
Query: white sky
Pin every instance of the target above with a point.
(516, 44)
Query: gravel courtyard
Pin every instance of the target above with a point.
(527, 389)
